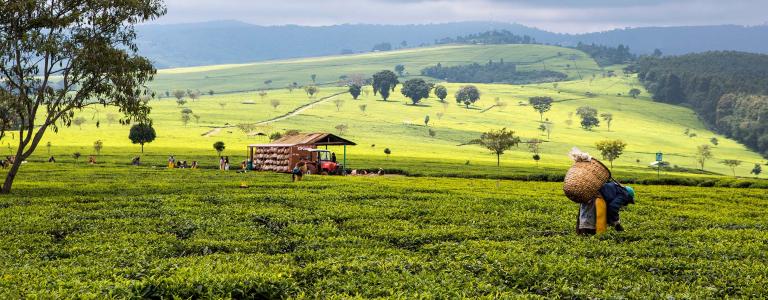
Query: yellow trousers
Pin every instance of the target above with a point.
(601, 215)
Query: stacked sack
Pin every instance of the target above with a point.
(273, 159)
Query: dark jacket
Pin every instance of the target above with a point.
(615, 197)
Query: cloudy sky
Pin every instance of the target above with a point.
(570, 16)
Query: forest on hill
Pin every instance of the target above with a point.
(727, 89)
(491, 72)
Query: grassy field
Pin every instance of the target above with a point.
(249, 77)
(120, 232)
(646, 126)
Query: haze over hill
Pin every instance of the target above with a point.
(222, 42)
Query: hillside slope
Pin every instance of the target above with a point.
(249, 77)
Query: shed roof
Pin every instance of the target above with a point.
(316, 138)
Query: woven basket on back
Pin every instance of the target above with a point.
(584, 179)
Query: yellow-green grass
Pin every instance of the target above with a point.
(646, 126)
(244, 77)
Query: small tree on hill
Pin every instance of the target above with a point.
(267, 82)
(611, 149)
(181, 102)
(415, 89)
(311, 90)
(111, 118)
(313, 77)
(756, 170)
(541, 105)
(185, 118)
(354, 90)
(588, 117)
(608, 118)
(432, 132)
(341, 128)
(262, 94)
(387, 152)
(426, 120)
(362, 107)
(467, 95)
(714, 141)
(733, 164)
(275, 103)
(384, 82)
(499, 141)
(548, 128)
(194, 95)
(400, 69)
(441, 92)
(634, 92)
(339, 103)
(76, 156)
(440, 115)
(97, 146)
(79, 121)
(219, 147)
(141, 134)
(179, 94)
(703, 153)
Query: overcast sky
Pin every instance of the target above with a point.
(570, 16)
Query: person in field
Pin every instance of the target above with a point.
(616, 197)
(226, 163)
(221, 163)
(171, 162)
(136, 161)
(298, 171)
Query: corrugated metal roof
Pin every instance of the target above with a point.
(315, 138)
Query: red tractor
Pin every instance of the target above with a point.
(324, 162)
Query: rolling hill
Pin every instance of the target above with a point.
(645, 125)
(226, 42)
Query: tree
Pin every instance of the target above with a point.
(426, 121)
(610, 150)
(714, 141)
(400, 69)
(588, 117)
(222, 104)
(185, 117)
(76, 156)
(262, 94)
(341, 128)
(311, 90)
(548, 127)
(499, 141)
(534, 146)
(756, 170)
(441, 92)
(731, 163)
(339, 103)
(111, 118)
(267, 82)
(415, 89)
(179, 94)
(219, 147)
(467, 95)
(211, 92)
(197, 118)
(314, 78)
(194, 95)
(634, 92)
(387, 152)
(500, 104)
(354, 90)
(432, 132)
(362, 107)
(181, 102)
(384, 82)
(275, 103)
(541, 105)
(97, 146)
(703, 153)
(79, 121)
(608, 118)
(440, 115)
(141, 134)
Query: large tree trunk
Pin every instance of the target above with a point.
(11, 175)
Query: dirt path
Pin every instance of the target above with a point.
(212, 132)
(299, 109)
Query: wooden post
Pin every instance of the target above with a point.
(345, 160)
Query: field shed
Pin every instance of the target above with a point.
(283, 154)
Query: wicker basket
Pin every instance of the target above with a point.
(584, 180)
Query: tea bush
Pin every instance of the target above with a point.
(117, 232)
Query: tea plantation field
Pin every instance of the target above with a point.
(120, 232)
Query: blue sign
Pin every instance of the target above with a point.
(659, 156)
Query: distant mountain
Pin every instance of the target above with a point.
(225, 42)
